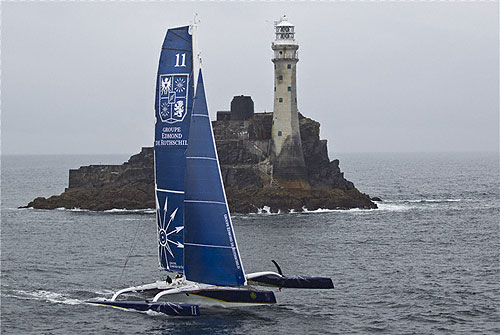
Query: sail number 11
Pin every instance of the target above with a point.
(181, 58)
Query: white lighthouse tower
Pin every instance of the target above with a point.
(286, 149)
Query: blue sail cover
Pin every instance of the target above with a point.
(173, 106)
(210, 252)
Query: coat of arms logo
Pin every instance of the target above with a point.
(173, 97)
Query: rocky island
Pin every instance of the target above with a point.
(274, 160)
(243, 140)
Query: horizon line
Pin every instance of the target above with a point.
(336, 152)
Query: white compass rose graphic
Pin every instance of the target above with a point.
(179, 85)
(164, 222)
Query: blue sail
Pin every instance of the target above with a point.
(173, 106)
(210, 251)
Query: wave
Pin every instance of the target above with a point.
(267, 211)
(72, 209)
(123, 210)
(109, 211)
(53, 297)
(408, 204)
(325, 210)
(394, 207)
(426, 200)
(99, 298)
(386, 205)
(383, 206)
(105, 292)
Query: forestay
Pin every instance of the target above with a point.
(210, 251)
(173, 105)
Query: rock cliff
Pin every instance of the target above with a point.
(243, 150)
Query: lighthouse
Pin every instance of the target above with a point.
(286, 146)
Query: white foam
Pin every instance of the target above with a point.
(113, 210)
(53, 297)
(266, 210)
(385, 206)
(350, 210)
(408, 204)
(319, 210)
(153, 313)
(99, 299)
(75, 209)
(104, 292)
(123, 210)
(392, 207)
(427, 200)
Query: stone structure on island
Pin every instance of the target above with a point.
(274, 160)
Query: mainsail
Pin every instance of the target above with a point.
(210, 251)
(173, 105)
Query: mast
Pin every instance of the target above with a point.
(193, 30)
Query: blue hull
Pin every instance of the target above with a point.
(293, 282)
(238, 296)
(168, 308)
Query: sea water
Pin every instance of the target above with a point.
(425, 262)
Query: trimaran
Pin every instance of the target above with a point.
(196, 241)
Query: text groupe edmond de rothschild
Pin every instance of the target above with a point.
(171, 136)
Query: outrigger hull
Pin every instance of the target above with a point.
(277, 280)
(169, 308)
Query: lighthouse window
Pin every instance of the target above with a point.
(280, 77)
(279, 133)
(289, 66)
(280, 99)
(289, 88)
(274, 88)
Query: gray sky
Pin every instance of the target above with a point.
(78, 77)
